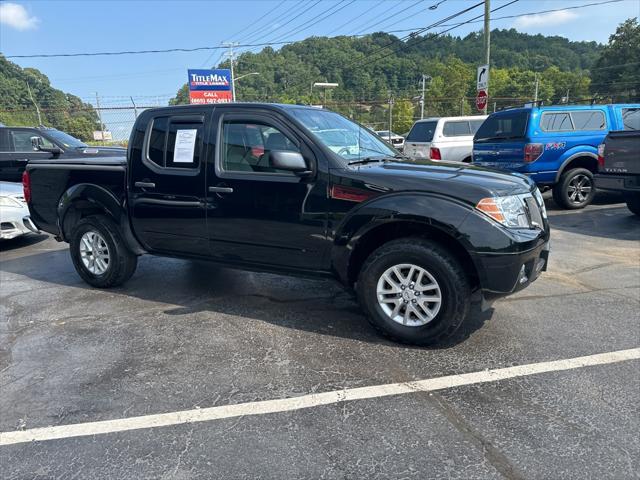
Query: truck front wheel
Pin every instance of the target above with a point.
(100, 254)
(575, 189)
(414, 291)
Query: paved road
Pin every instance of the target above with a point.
(183, 335)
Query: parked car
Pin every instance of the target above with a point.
(21, 144)
(413, 240)
(556, 146)
(619, 165)
(393, 138)
(447, 138)
(14, 212)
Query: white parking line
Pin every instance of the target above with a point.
(311, 400)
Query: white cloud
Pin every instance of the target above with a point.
(545, 19)
(16, 16)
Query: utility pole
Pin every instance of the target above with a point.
(231, 56)
(535, 96)
(390, 113)
(423, 81)
(487, 41)
(34, 104)
(100, 118)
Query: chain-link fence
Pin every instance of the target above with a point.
(116, 117)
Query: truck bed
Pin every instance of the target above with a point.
(52, 179)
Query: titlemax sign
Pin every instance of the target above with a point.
(210, 79)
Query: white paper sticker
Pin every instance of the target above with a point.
(185, 145)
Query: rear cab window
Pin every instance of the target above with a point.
(422, 132)
(503, 126)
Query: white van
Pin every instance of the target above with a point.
(445, 138)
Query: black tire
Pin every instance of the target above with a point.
(563, 191)
(633, 203)
(122, 262)
(445, 269)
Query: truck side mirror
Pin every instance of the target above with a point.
(38, 145)
(287, 160)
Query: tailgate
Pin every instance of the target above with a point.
(622, 152)
(507, 155)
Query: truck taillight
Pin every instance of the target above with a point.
(26, 186)
(601, 156)
(532, 152)
(434, 154)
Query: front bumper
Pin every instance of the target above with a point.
(14, 226)
(507, 273)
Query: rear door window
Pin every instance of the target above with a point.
(422, 132)
(456, 129)
(503, 126)
(589, 120)
(176, 142)
(631, 118)
(556, 122)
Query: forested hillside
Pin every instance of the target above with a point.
(57, 108)
(373, 68)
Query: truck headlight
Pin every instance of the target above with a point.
(9, 202)
(510, 210)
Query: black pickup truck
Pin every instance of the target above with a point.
(301, 191)
(19, 145)
(619, 166)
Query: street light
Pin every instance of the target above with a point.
(234, 80)
(324, 86)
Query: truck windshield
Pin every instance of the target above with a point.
(503, 126)
(422, 132)
(65, 139)
(347, 139)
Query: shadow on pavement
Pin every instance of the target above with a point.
(318, 306)
(23, 241)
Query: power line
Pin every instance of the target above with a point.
(520, 14)
(138, 52)
(265, 44)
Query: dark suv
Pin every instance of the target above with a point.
(18, 145)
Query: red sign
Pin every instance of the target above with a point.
(481, 99)
(209, 96)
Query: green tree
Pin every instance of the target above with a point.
(616, 73)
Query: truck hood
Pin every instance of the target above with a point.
(463, 182)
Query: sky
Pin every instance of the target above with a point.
(51, 27)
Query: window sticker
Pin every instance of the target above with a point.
(185, 145)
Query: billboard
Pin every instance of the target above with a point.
(210, 86)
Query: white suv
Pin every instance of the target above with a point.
(445, 138)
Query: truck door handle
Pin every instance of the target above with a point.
(221, 189)
(145, 184)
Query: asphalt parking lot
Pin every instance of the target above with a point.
(185, 336)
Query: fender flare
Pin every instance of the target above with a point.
(104, 200)
(572, 157)
(434, 211)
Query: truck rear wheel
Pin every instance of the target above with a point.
(414, 291)
(100, 254)
(575, 189)
(633, 203)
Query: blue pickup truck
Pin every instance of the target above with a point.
(556, 146)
